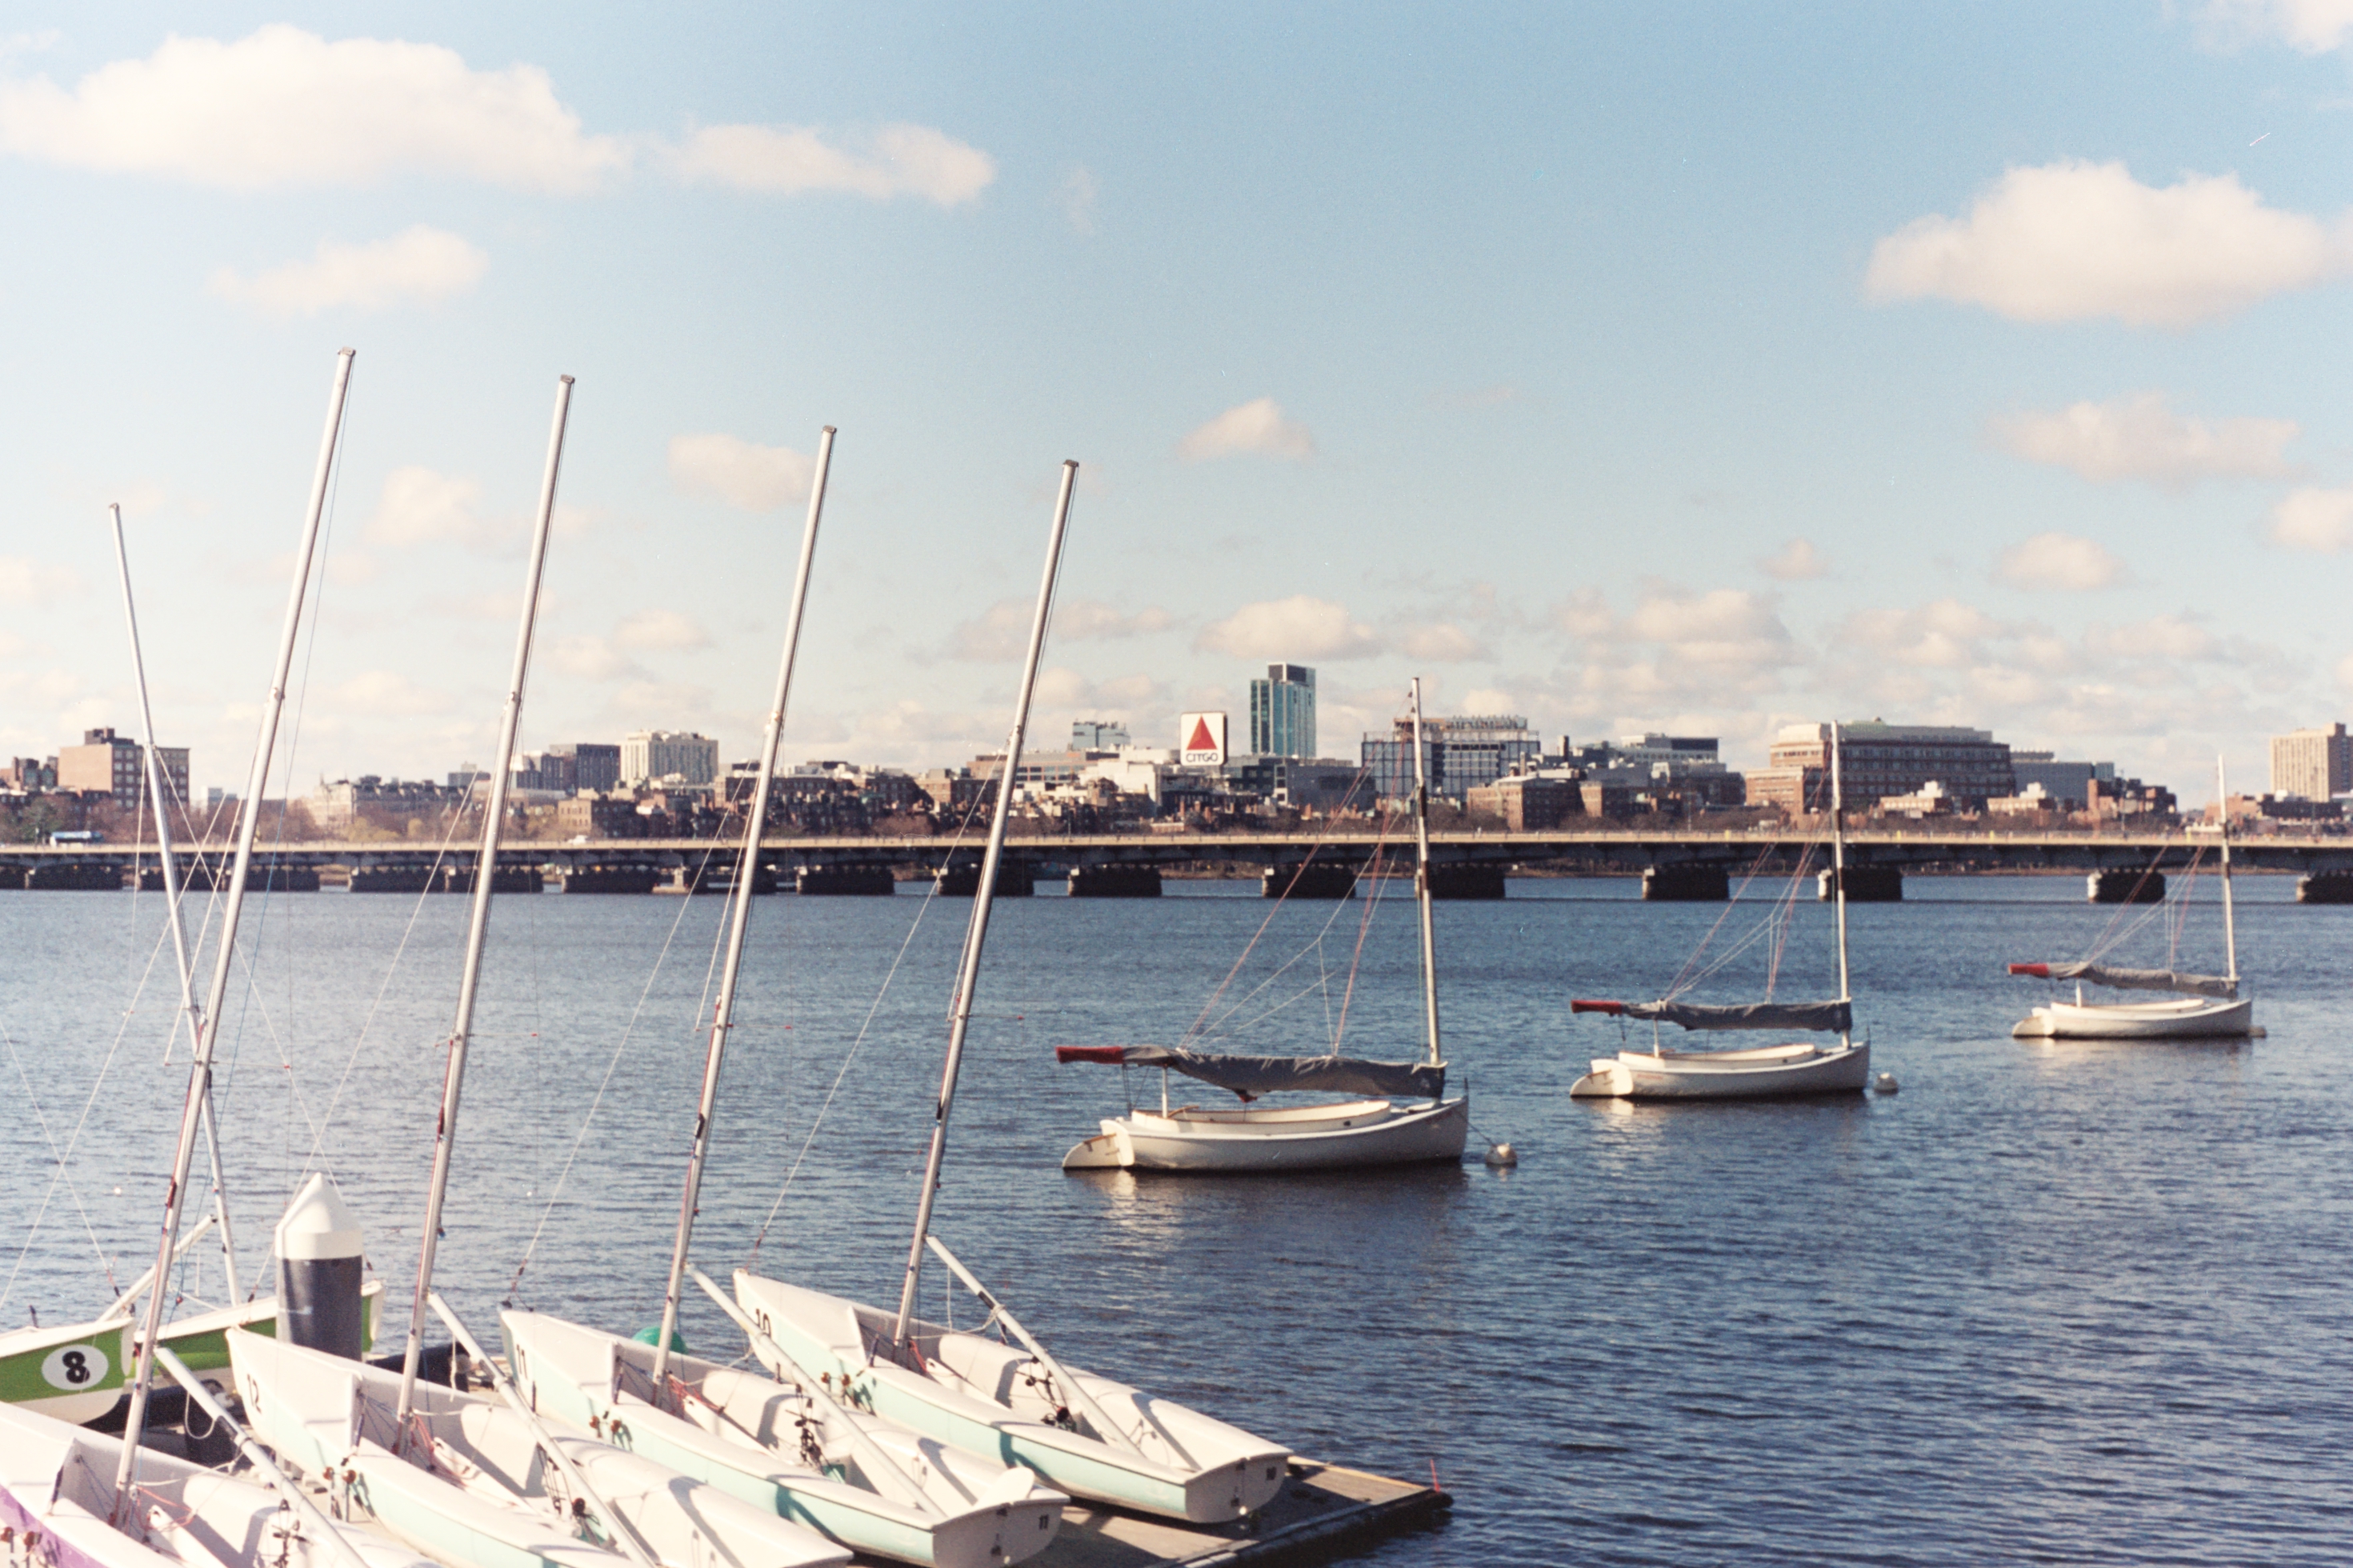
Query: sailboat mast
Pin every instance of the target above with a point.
(1838, 854)
(200, 1064)
(723, 1016)
(1421, 879)
(182, 959)
(968, 970)
(486, 874)
(2229, 914)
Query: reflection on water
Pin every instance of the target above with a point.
(2062, 1300)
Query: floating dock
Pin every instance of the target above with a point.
(1322, 1506)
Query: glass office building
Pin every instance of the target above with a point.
(1283, 711)
(1459, 753)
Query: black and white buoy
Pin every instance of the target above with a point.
(1884, 1084)
(318, 1273)
(1503, 1156)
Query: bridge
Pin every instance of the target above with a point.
(1690, 863)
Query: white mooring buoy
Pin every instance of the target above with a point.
(319, 1272)
(1885, 1083)
(1503, 1156)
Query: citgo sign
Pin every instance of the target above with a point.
(1202, 740)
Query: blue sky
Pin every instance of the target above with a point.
(1689, 368)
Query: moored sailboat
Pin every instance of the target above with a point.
(1767, 1072)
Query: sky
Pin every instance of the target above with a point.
(1693, 368)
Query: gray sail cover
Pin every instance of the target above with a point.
(1836, 1016)
(2217, 986)
(1250, 1077)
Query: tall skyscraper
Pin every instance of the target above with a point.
(649, 756)
(2313, 765)
(1283, 711)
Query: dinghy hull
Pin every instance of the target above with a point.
(2184, 1019)
(1774, 1072)
(1256, 1141)
(987, 1398)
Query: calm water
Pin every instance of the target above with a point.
(2073, 1304)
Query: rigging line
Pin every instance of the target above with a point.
(1363, 927)
(947, 858)
(2118, 934)
(2109, 935)
(50, 1138)
(1789, 922)
(1774, 921)
(106, 1065)
(249, 1003)
(1314, 849)
(555, 1193)
(1678, 985)
(392, 970)
(1217, 1027)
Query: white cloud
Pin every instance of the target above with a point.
(2060, 561)
(1259, 426)
(420, 266)
(2314, 519)
(2159, 638)
(2138, 437)
(1797, 561)
(25, 580)
(1077, 197)
(1001, 632)
(1443, 642)
(1123, 698)
(421, 507)
(1945, 635)
(387, 692)
(2074, 240)
(755, 478)
(661, 629)
(787, 160)
(2310, 26)
(2345, 671)
(589, 658)
(284, 107)
(1299, 627)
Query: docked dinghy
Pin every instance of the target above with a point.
(1001, 1401)
(470, 1483)
(855, 1479)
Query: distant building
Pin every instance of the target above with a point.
(651, 756)
(1459, 753)
(1656, 772)
(1527, 803)
(594, 767)
(550, 771)
(1283, 711)
(599, 817)
(2313, 765)
(385, 802)
(1098, 735)
(106, 764)
(1879, 760)
(29, 774)
(2066, 786)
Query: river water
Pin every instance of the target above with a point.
(2080, 1303)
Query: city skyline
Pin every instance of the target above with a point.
(1673, 372)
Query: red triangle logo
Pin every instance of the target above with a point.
(1200, 740)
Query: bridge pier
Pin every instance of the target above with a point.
(2125, 888)
(1015, 879)
(1312, 881)
(202, 878)
(1686, 885)
(1864, 885)
(1466, 882)
(844, 882)
(2325, 887)
(75, 876)
(1115, 881)
(607, 879)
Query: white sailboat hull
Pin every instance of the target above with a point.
(1262, 1140)
(478, 1491)
(1770, 1072)
(989, 1399)
(2180, 1018)
(56, 1483)
(745, 1440)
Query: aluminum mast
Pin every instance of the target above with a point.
(2229, 914)
(1838, 858)
(182, 958)
(968, 972)
(200, 1068)
(723, 1016)
(486, 873)
(1421, 879)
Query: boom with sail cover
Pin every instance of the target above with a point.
(1250, 1077)
(2217, 986)
(1837, 1017)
